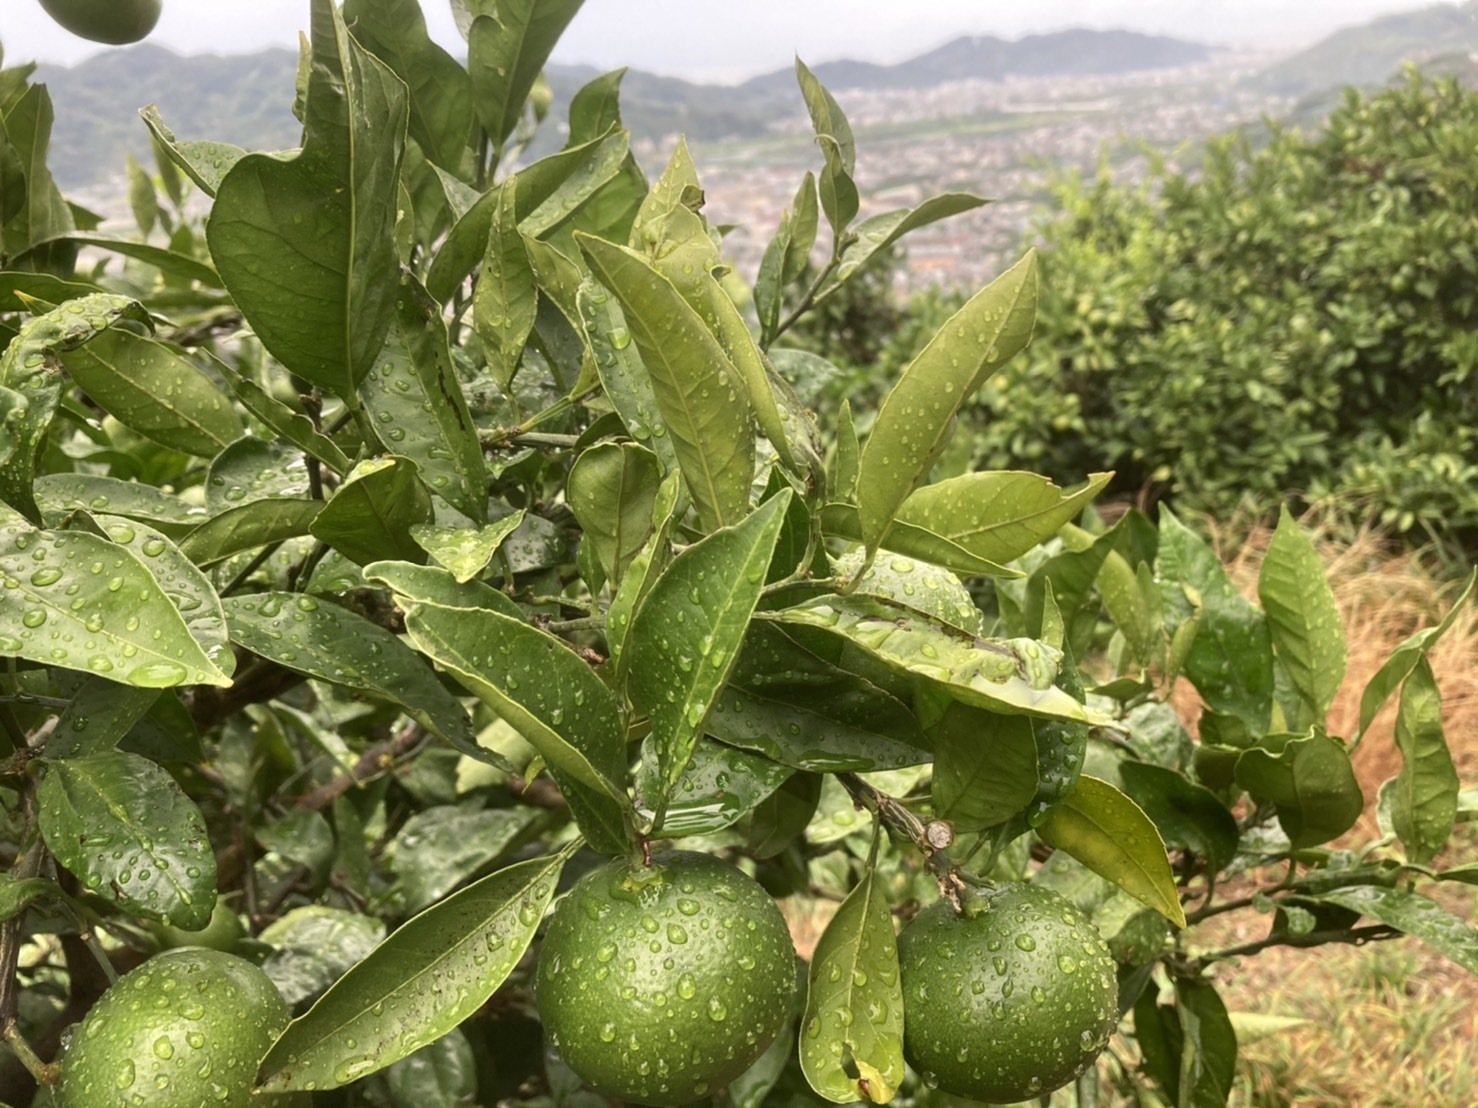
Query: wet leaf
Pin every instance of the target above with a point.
(418, 984)
(720, 787)
(129, 834)
(371, 514)
(1208, 1060)
(646, 567)
(1309, 780)
(1303, 620)
(985, 767)
(314, 946)
(306, 244)
(441, 1073)
(911, 541)
(917, 415)
(466, 551)
(854, 1002)
(1416, 915)
(686, 635)
(1424, 800)
(204, 162)
(253, 469)
(612, 489)
(1394, 669)
(904, 583)
(839, 198)
(622, 374)
(249, 527)
(1106, 831)
(781, 818)
(293, 426)
(876, 233)
(505, 55)
(440, 847)
(549, 694)
(504, 301)
(98, 715)
(1186, 815)
(435, 585)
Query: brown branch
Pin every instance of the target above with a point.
(260, 681)
(377, 760)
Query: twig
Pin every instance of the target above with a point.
(377, 760)
(1358, 937)
(933, 839)
(251, 567)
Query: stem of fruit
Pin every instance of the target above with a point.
(932, 839)
(43, 1073)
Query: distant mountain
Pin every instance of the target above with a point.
(1064, 53)
(1369, 54)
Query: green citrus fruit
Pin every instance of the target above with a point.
(115, 22)
(1009, 999)
(188, 1027)
(223, 931)
(660, 984)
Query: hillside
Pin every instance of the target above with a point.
(1369, 54)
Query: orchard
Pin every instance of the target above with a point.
(440, 649)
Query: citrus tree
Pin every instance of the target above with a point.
(423, 586)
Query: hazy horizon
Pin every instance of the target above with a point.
(725, 43)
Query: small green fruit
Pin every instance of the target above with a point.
(660, 984)
(1009, 1000)
(223, 931)
(188, 1027)
(115, 22)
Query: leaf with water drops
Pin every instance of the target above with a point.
(19, 894)
(30, 368)
(505, 55)
(612, 489)
(839, 198)
(1009, 676)
(33, 206)
(645, 570)
(441, 1073)
(917, 415)
(323, 640)
(504, 300)
(1424, 800)
(59, 493)
(912, 541)
(1110, 834)
(1307, 632)
(129, 834)
(1208, 1059)
(785, 258)
(720, 787)
(854, 1001)
(98, 714)
(440, 847)
(697, 390)
(371, 514)
(306, 245)
(1187, 815)
(204, 162)
(78, 601)
(623, 377)
(153, 389)
(685, 638)
(418, 984)
(466, 551)
(1309, 780)
(985, 767)
(878, 232)
(254, 469)
(549, 694)
(435, 585)
(291, 425)
(172, 264)
(1416, 915)
(904, 583)
(249, 527)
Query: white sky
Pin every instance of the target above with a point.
(721, 40)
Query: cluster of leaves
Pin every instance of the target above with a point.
(407, 533)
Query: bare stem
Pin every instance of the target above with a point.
(932, 839)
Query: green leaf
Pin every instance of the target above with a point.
(67, 492)
(438, 586)
(29, 369)
(127, 831)
(903, 583)
(306, 245)
(441, 1073)
(612, 489)
(504, 301)
(1106, 831)
(1394, 669)
(293, 426)
(167, 262)
(1424, 803)
(333, 644)
(19, 894)
(841, 477)
(204, 162)
(720, 786)
(98, 715)
(839, 198)
(440, 116)
(254, 469)
(150, 388)
(371, 514)
(912, 542)
(440, 847)
(991, 674)
(1311, 783)
(78, 601)
(1185, 814)
(781, 818)
(418, 984)
(1230, 661)
(917, 414)
(1414, 914)
(417, 408)
(505, 54)
(1208, 1056)
(549, 695)
(466, 551)
(876, 233)
(39, 212)
(854, 1002)
(257, 524)
(985, 767)
(643, 572)
(997, 516)
(1130, 606)
(696, 388)
(1302, 618)
(622, 374)
(686, 636)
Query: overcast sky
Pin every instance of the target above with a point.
(723, 40)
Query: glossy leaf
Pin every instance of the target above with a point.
(254, 469)
(1424, 801)
(97, 716)
(417, 407)
(291, 425)
(1394, 669)
(697, 393)
(1417, 915)
(371, 514)
(306, 245)
(441, 1073)
(904, 583)
(1310, 781)
(418, 984)
(985, 767)
(839, 198)
(506, 53)
(129, 834)
(440, 847)
(249, 527)
(781, 818)
(854, 1001)
(181, 266)
(686, 635)
(204, 162)
(784, 258)
(466, 551)
(720, 786)
(504, 301)
(912, 541)
(1186, 815)
(39, 212)
(1303, 620)
(549, 695)
(333, 644)
(1111, 835)
(917, 414)
(1231, 659)
(29, 370)
(1208, 1059)
(81, 602)
(876, 233)
(64, 492)
(623, 377)
(612, 489)
(643, 572)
